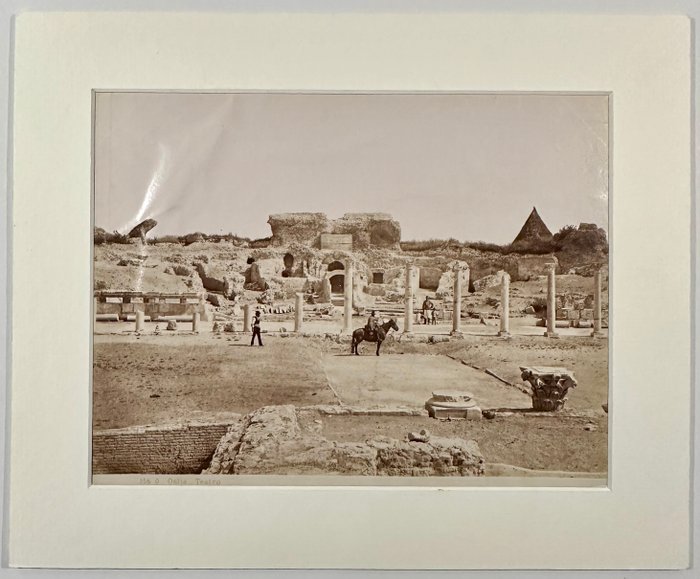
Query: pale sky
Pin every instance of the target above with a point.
(444, 165)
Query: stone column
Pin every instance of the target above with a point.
(298, 312)
(195, 321)
(94, 314)
(347, 312)
(551, 304)
(505, 306)
(247, 317)
(597, 304)
(457, 301)
(408, 296)
(139, 320)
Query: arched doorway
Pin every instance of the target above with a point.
(337, 283)
(288, 265)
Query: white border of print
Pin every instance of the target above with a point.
(641, 521)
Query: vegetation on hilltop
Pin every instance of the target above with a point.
(586, 238)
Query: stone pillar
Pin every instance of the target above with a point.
(247, 317)
(299, 312)
(325, 296)
(195, 322)
(505, 306)
(408, 296)
(139, 320)
(597, 304)
(551, 303)
(457, 301)
(94, 314)
(347, 312)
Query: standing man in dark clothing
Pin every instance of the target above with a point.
(256, 329)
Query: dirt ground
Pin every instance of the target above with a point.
(181, 378)
(169, 380)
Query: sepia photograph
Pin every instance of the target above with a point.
(390, 286)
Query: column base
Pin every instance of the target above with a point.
(503, 334)
(551, 335)
(595, 334)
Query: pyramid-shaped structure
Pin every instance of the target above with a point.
(534, 229)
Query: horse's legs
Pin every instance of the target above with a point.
(379, 343)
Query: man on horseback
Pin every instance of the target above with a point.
(372, 324)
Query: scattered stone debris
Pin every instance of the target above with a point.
(590, 427)
(126, 262)
(172, 325)
(422, 436)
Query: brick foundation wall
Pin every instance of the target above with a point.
(181, 449)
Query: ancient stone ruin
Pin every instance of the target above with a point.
(549, 386)
(534, 229)
(273, 440)
(353, 231)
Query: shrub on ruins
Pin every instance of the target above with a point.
(119, 238)
(431, 244)
(563, 233)
(230, 237)
(586, 238)
(100, 236)
(260, 243)
(191, 238)
(484, 246)
(164, 239)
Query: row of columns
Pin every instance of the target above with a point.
(458, 270)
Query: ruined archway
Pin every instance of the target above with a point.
(335, 265)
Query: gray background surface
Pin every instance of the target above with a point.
(10, 8)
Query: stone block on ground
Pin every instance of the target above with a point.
(446, 404)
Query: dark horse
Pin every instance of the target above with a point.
(379, 336)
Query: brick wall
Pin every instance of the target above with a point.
(181, 449)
